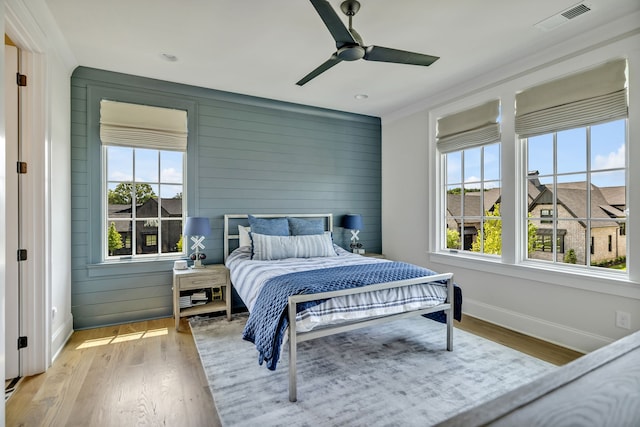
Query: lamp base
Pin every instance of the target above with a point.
(197, 264)
(356, 247)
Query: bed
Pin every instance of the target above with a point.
(287, 267)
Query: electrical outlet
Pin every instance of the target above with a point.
(623, 320)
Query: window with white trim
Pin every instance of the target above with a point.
(469, 143)
(144, 174)
(574, 132)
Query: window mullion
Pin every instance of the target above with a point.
(588, 201)
(554, 230)
(444, 240)
(134, 210)
(462, 200)
(159, 212)
(482, 214)
(105, 201)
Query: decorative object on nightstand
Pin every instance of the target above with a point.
(354, 223)
(202, 290)
(198, 228)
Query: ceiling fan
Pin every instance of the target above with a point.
(349, 43)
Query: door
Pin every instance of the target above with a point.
(12, 284)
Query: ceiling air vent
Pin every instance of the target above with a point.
(558, 19)
(576, 11)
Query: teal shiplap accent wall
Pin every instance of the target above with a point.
(245, 155)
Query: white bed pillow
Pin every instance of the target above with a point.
(269, 248)
(245, 238)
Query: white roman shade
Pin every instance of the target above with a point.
(142, 126)
(581, 99)
(470, 128)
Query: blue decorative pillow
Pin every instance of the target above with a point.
(268, 248)
(304, 227)
(270, 227)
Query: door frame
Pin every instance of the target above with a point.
(13, 365)
(20, 26)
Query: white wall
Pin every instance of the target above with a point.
(577, 311)
(404, 212)
(60, 199)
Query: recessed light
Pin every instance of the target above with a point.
(361, 96)
(169, 57)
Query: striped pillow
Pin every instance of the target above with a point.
(268, 248)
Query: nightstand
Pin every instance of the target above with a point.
(373, 255)
(211, 282)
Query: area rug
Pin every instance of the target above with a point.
(395, 374)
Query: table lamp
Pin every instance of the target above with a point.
(198, 228)
(353, 222)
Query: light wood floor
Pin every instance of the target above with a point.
(532, 346)
(139, 374)
(146, 374)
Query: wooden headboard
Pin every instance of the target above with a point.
(232, 221)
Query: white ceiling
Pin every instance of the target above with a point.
(263, 47)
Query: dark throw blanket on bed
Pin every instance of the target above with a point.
(268, 320)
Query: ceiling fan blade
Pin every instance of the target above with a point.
(321, 69)
(336, 27)
(385, 54)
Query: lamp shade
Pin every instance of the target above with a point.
(352, 222)
(197, 226)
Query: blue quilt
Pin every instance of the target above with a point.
(268, 321)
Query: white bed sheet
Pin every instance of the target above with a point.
(249, 276)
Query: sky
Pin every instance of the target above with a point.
(606, 157)
(169, 174)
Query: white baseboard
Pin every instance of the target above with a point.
(60, 337)
(555, 333)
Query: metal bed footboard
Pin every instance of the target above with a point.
(296, 337)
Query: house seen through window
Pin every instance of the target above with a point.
(576, 185)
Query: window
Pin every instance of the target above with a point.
(473, 199)
(571, 184)
(576, 186)
(470, 147)
(144, 175)
(144, 199)
(151, 240)
(544, 239)
(574, 182)
(574, 132)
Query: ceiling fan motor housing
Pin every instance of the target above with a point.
(351, 53)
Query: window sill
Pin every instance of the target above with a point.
(610, 283)
(131, 266)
